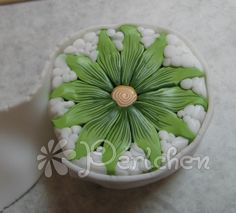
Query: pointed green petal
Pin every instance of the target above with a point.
(95, 132)
(89, 71)
(84, 112)
(79, 91)
(164, 119)
(173, 99)
(131, 53)
(150, 62)
(167, 77)
(145, 136)
(109, 57)
(119, 138)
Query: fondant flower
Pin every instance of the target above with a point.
(125, 95)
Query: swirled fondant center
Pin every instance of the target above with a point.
(124, 95)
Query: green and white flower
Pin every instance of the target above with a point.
(137, 91)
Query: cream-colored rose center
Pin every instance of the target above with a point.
(124, 95)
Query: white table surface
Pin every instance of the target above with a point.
(29, 32)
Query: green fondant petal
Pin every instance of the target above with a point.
(173, 98)
(145, 136)
(167, 77)
(95, 132)
(109, 57)
(150, 62)
(84, 112)
(79, 91)
(119, 138)
(131, 53)
(164, 119)
(89, 71)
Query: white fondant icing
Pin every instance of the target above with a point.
(133, 162)
(196, 84)
(130, 162)
(178, 54)
(118, 44)
(61, 73)
(86, 45)
(60, 62)
(117, 37)
(193, 116)
(148, 36)
(58, 107)
(92, 162)
(68, 134)
(67, 138)
(169, 141)
(71, 50)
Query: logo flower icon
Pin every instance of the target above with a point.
(50, 159)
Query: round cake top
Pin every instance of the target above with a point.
(125, 92)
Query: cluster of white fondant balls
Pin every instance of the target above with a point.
(178, 54)
(68, 134)
(67, 138)
(133, 162)
(58, 107)
(86, 45)
(130, 162)
(117, 37)
(168, 141)
(193, 116)
(196, 84)
(61, 72)
(92, 162)
(148, 36)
